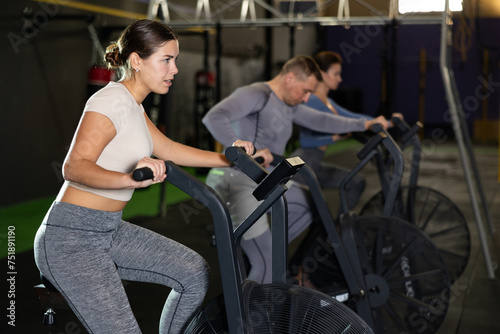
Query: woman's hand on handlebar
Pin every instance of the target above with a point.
(266, 155)
(248, 146)
(157, 167)
(380, 120)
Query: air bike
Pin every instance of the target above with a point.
(245, 306)
(383, 267)
(384, 275)
(426, 208)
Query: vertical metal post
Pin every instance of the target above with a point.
(268, 35)
(218, 55)
(468, 145)
(454, 105)
(292, 41)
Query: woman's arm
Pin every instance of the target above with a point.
(333, 124)
(327, 122)
(166, 149)
(94, 133)
(310, 138)
(347, 113)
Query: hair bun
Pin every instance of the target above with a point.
(112, 56)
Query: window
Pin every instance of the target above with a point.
(407, 6)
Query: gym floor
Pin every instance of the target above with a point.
(473, 308)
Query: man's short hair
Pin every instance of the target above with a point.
(302, 66)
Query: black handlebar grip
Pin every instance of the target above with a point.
(370, 145)
(411, 132)
(377, 127)
(231, 156)
(399, 123)
(245, 163)
(141, 174)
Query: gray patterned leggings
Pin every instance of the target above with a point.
(86, 253)
(235, 189)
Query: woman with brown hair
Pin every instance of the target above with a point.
(83, 246)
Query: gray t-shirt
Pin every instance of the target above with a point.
(255, 114)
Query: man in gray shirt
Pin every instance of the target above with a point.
(264, 113)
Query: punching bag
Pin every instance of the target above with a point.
(98, 77)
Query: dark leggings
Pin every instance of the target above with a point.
(86, 253)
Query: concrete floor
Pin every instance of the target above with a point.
(475, 307)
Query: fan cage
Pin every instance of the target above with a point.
(282, 308)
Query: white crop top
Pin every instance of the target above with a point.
(132, 141)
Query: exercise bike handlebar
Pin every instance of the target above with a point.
(400, 124)
(144, 173)
(369, 151)
(409, 132)
(370, 145)
(285, 169)
(246, 164)
(364, 137)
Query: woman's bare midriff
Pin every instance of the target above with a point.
(88, 200)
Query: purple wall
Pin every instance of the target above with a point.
(362, 48)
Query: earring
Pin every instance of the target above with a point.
(137, 70)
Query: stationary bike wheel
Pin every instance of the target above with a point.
(406, 281)
(438, 217)
(281, 308)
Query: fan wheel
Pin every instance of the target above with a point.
(437, 216)
(406, 281)
(282, 308)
